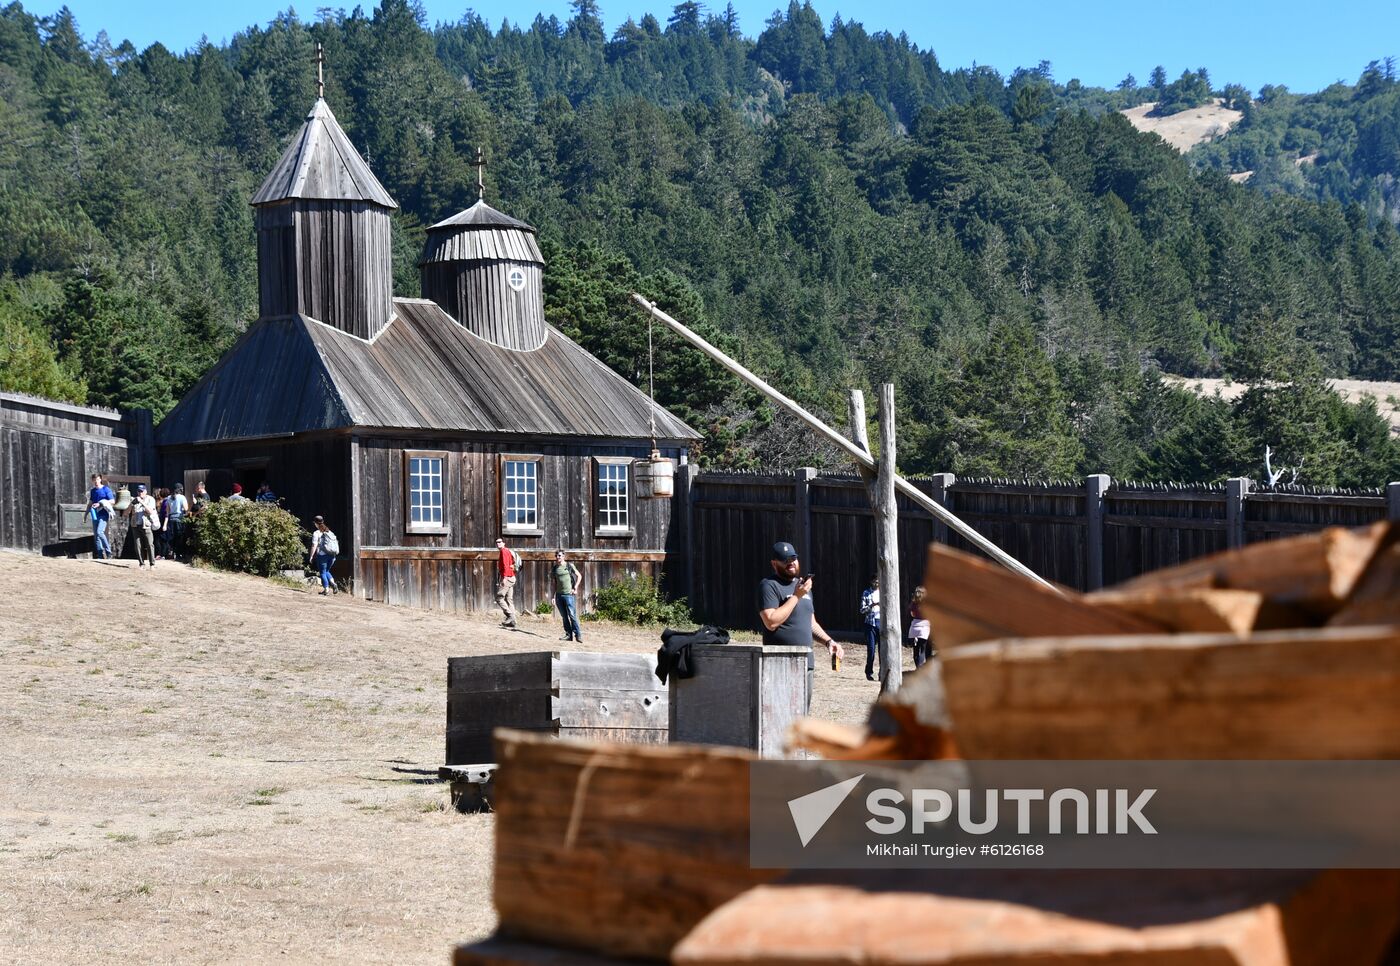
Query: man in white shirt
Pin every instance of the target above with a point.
(145, 521)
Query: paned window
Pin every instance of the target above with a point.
(423, 510)
(520, 491)
(613, 495)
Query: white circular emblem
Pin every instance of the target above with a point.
(516, 278)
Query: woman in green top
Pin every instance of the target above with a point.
(567, 581)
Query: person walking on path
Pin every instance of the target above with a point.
(507, 565)
(919, 630)
(870, 610)
(785, 608)
(567, 583)
(145, 521)
(325, 547)
(100, 499)
(177, 509)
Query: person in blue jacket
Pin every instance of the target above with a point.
(100, 499)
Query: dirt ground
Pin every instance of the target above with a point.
(206, 767)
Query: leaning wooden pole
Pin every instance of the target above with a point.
(860, 456)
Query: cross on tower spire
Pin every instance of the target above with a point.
(480, 165)
(320, 73)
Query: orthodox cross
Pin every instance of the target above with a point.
(320, 73)
(480, 165)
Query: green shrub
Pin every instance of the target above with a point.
(544, 608)
(253, 538)
(636, 599)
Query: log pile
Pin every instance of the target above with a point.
(1286, 649)
(1289, 649)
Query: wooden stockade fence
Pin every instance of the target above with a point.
(1083, 534)
(48, 451)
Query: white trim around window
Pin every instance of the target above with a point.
(521, 506)
(425, 491)
(612, 496)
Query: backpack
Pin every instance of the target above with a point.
(329, 544)
(515, 562)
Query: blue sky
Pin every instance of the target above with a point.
(1303, 45)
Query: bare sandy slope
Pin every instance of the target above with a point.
(203, 767)
(1187, 129)
(1386, 394)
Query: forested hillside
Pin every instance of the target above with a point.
(834, 204)
(1340, 144)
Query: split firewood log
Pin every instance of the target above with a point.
(970, 599)
(1315, 572)
(1376, 599)
(1069, 918)
(1186, 611)
(1326, 693)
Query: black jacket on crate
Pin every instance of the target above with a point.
(673, 657)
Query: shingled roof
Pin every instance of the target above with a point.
(322, 164)
(423, 372)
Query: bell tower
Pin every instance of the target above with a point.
(323, 230)
(485, 270)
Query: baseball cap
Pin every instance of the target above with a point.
(784, 551)
(140, 487)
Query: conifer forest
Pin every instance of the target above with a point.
(834, 206)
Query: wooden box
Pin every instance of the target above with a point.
(745, 695)
(606, 697)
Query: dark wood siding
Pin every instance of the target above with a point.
(48, 452)
(329, 260)
(478, 295)
(310, 476)
(456, 570)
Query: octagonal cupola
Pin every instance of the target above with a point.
(485, 270)
(323, 232)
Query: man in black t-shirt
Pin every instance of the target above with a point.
(785, 608)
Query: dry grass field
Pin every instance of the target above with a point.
(203, 767)
(1385, 394)
(1185, 130)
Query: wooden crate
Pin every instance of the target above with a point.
(606, 697)
(744, 695)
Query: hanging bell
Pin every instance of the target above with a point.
(123, 499)
(655, 477)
